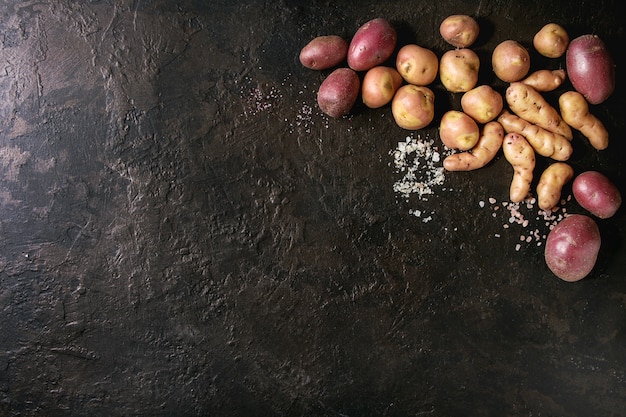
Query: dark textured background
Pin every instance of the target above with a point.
(183, 233)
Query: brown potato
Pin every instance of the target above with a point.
(459, 30)
(575, 112)
(338, 92)
(482, 103)
(510, 61)
(417, 65)
(413, 106)
(551, 40)
(481, 154)
(324, 52)
(551, 183)
(379, 86)
(458, 130)
(545, 80)
(458, 70)
(521, 156)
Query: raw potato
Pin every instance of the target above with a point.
(530, 105)
(596, 193)
(458, 70)
(590, 68)
(458, 130)
(545, 80)
(324, 52)
(551, 184)
(544, 142)
(521, 156)
(379, 86)
(551, 41)
(413, 107)
(338, 92)
(575, 111)
(482, 103)
(572, 247)
(372, 44)
(481, 154)
(459, 30)
(510, 61)
(417, 65)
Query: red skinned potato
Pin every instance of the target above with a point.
(590, 68)
(324, 52)
(379, 86)
(596, 193)
(338, 92)
(372, 44)
(572, 247)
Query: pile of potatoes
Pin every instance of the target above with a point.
(521, 122)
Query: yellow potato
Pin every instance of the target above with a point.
(530, 105)
(481, 154)
(521, 156)
(544, 142)
(510, 61)
(458, 70)
(545, 80)
(482, 103)
(551, 184)
(575, 111)
(551, 40)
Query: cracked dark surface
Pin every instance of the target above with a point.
(183, 233)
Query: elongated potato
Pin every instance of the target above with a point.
(551, 183)
(544, 142)
(481, 154)
(521, 156)
(545, 80)
(530, 105)
(575, 112)
(324, 52)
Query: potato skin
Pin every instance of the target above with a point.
(551, 183)
(481, 154)
(459, 30)
(482, 103)
(417, 65)
(590, 68)
(379, 85)
(572, 247)
(324, 52)
(596, 193)
(458, 70)
(551, 41)
(338, 92)
(521, 156)
(413, 106)
(510, 61)
(372, 44)
(575, 112)
(458, 130)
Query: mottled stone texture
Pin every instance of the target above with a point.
(183, 233)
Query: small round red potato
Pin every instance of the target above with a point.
(458, 70)
(459, 30)
(596, 193)
(510, 61)
(324, 52)
(417, 65)
(338, 92)
(379, 86)
(413, 106)
(458, 130)
(372, 44)
(551, 41)
(572, 247)
(482, 103)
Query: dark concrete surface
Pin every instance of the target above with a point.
(183, 233)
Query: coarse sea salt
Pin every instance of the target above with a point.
(418, 159)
